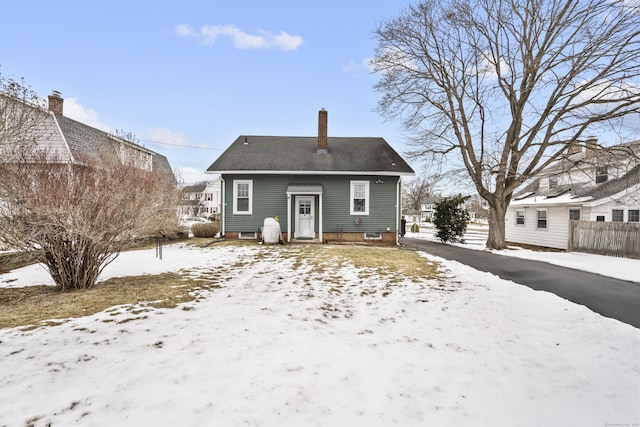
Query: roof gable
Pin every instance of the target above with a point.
(622, 154)
(90, 145)
(289, 154)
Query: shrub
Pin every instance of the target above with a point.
(451, 219)
(209, 229)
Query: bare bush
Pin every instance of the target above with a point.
(209, 229)
(22, 117)
(77, 219)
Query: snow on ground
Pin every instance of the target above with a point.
(285, 343)
(476, 238)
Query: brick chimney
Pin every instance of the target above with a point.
(322, 131)
(591, 145)
(55, 102)
(574, 148)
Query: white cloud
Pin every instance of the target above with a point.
(79, 112)
(165, 137)
(190, 176)
(209, 34)
(185, 30)
(365, 64)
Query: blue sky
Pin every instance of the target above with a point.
(188, 77)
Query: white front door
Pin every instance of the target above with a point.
(304, 218)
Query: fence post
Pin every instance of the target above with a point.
(570, 235)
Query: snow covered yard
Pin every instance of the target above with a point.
(291, 338)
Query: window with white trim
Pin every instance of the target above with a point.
(541, 216)
(519, 216)
(574, 214)
(617, 215)
(602, 174)
(242, 197)
(359, 198)
(633, 215)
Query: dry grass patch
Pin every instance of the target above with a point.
(382, 260)
(35, 305)
(12, 260)
(30, 306)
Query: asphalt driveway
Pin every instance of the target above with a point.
(618, 299)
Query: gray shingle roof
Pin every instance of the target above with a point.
(88, 145)
(585, 189)
(290, 154)
(196, 188)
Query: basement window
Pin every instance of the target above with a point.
(247, 235)
(376, 235)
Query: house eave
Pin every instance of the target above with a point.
(613, 197)
(544, 201)
(307, 172)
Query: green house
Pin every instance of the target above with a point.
(325, 189)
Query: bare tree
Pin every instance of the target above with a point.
(73, 218)
(22, 115)
(508, 85)
(418, 189)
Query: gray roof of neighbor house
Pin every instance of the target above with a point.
(430, 200)
(88, 144)
(604, 156)
(196, 188)
(291, 154)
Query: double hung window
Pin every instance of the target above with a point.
(359, 198)
(242, 197)
(541, 216)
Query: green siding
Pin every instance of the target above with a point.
(270, 199)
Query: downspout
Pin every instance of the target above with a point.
(223, 208)
(398, 209)
(320, 221)
(288, 218)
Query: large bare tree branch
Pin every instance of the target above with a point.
(508, 85)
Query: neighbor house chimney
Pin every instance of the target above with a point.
(591, 145)
(574, 148)
(55, 102)
(322, 131)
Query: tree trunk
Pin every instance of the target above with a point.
(497, 213)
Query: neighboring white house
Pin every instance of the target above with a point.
(211, 198)
(478, 208)
(595, 184)
(428, 208)
(202, 199)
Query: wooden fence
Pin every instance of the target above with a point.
(621, 239)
